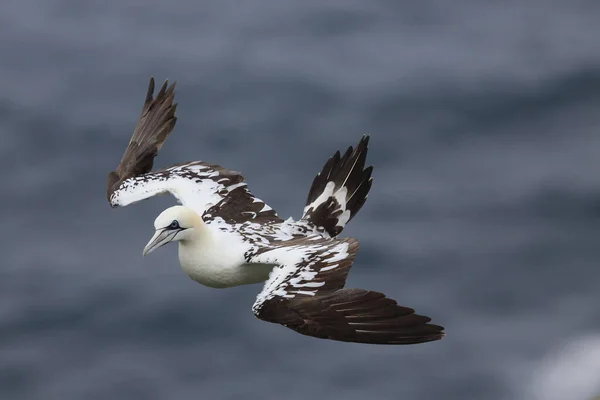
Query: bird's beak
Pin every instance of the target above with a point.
(160, 238)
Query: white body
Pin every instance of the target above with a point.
(222, 273)
(219, 264)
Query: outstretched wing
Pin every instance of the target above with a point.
(209, 189)
(154, 126)
(306, 293)
(339, 191)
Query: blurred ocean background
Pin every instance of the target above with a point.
(484, 213)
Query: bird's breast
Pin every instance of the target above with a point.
(220, 269)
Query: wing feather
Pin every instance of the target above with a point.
(211, 190)
(306, 293)
(154, 125)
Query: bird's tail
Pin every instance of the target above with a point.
(339, 190)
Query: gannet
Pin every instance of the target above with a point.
(228, 237)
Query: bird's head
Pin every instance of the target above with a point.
(173, 224)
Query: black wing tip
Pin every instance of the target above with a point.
(362, 146)
(346, 170)
(150, 91)
(154, 125)
(363, 316)
(364, 141)
(153, 81)
(422, 333)
(164, 90)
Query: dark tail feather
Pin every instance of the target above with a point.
(330, 206)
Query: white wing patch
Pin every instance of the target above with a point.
(197, 185)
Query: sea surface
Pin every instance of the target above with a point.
(484, 212)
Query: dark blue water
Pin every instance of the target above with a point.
(484, 213)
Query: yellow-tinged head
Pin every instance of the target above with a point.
(172, 225)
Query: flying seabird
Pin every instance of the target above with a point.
(228, 237)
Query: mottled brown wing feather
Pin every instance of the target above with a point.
(354, 315)
(309, 297)
(156, 122)
(241, 206)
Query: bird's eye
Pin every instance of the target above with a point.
(174, 225)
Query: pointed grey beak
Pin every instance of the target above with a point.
(160, 238)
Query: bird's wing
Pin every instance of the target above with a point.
(306, 293)
(209, 189)
(339, 191)
(154, 126)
